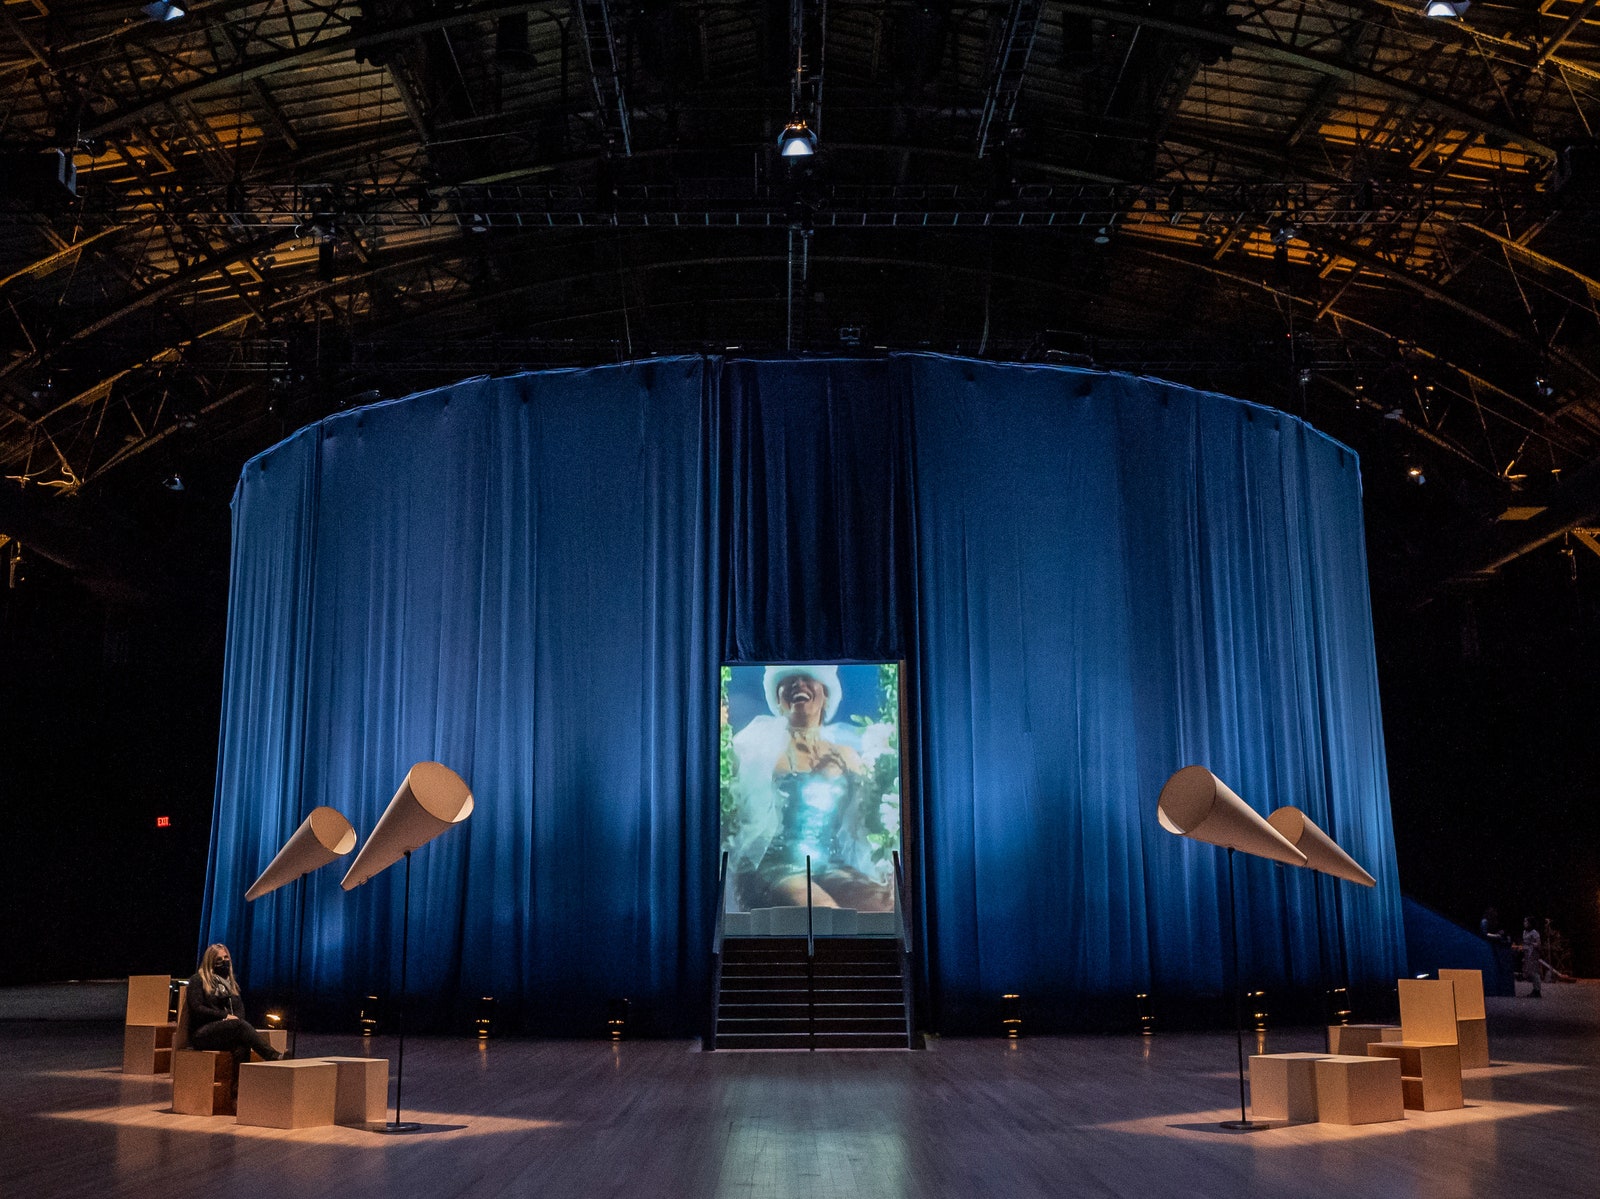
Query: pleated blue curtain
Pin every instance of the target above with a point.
(512, 577)
(1094, 580)
(815, 524)
(1116, 578)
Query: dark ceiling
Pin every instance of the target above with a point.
(1346, 210)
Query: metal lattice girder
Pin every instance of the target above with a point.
(1008, 69)
(742, 203)
(600, 44)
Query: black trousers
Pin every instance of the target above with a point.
(233, 1036)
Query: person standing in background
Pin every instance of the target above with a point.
(1532, 967)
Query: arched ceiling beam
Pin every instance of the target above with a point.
(171, 285)
(229, 78)
(1389, 337)
(1374, 264)
(1320, 64)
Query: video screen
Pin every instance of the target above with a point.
(811, 769)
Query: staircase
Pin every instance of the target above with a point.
(851, 997)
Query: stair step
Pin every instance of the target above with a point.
(801, 1024)
(828, 1011)
(822, 1041)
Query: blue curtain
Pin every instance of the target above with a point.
(1093, 579)
(511, 577)
(815, 521)
(1116, 578)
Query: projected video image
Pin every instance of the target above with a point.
(811, 768)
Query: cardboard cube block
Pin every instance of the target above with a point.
(202, 1082)
(1358, 1090)
(298, 1094)
(147, 1048)
(362, 1090)
(1352, 1039)
(1283, 1086)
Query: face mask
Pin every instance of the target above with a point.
(222, 969)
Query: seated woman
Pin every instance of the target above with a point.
(216, 1011)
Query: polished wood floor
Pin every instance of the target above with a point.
(1115, 1116)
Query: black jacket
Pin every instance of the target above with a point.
(208, 1009)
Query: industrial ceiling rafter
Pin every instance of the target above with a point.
(1390, 181)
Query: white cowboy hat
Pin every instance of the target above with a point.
(828, 676)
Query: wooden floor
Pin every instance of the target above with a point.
(1118, 1116)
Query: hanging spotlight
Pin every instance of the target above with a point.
(173, 482)
(163, 11)
(1447, 9)
(797, 140)
(1414, 473)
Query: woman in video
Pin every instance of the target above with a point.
(802, 798)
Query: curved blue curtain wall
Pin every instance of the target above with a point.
(1093, 579)
(1117, 577)
(512, 577)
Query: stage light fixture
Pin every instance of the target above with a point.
(1415, 474)
(173, 482)
(1011, 1015)
(1258, 1009)
(797, 140)
(163, 11)
(1446, 9)
(1147, 1015)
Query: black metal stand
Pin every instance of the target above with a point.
(1243, 1123)
(299, 954)
(396, 1125)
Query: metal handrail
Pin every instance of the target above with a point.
(900, 904)
(811, 966)
(905, 951)
(722, 903)
(710, 1040)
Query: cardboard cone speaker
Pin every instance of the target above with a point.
(431, 798)
(1196, 803)
(1322, 852)
(321, 837)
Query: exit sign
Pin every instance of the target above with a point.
(163, 821)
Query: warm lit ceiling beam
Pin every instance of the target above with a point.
(1574, 23)
(1321, 64)
(1253, 281)
(275, 115)
(1591, 285)
(171, 285)
(229, 79)
(64, 252)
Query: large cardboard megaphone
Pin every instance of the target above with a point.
(321, 837)
(432, 798)
(1322, 852)
(1196, 803)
